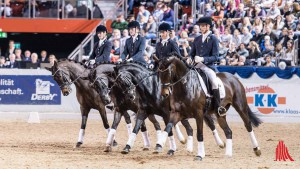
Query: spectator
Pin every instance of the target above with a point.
(149, 62)
(269, 63)
(173, 36)
(222, 62)
(115, 54)
(268, 32)
(254, 52)
(11, 48)
(151, 28)
(274, 11)
(243, 51)
(143, 25)
(245, 23)
(257, 36)
(268, 24)
(231, 51)
(288, 55)
(44, 58)
(27, 55)
(2, 62)
(231, 10)
(219, 12)
(194, 34)
(18, 53)
(219, 25)
(184, 48)
(246, 36)
(97, 13)
(123, 40)
(230, 25)
(240, 13)
(227, 37)
(237, 39)
(5, 9)
(52, 59)
(278, 26)
(168, 15)
(119, 23)
(257, 12)
(233, 61)
(242, 61)
(82, 11)
(115, 35)
(158, 12)
(208, 11)
(34, 61)
(12, 63)
(189, 25)
(258, 23)
(286, 9)
(266, 39)
(289, 21)
(143, 12)
(282, 39)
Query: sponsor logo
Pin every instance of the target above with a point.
(42, 90)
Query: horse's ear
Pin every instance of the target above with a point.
(55, 64)
(116, 70)
(49, 68)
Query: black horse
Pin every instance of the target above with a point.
(188, 101)
(102, 80)
(68, 72)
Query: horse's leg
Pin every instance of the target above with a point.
(141, 116)
(105, 122)
(228, 133)
(189, 131)
(249, 118)
(145, 136)
(84, 117)
(199, 121)
(179, 133)
(210, 123)
(112, 132)
(128, 122)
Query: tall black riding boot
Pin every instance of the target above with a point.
(221, 111)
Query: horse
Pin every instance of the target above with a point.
(102, 82)
(67, 72)
(132, 77)
(188, 101)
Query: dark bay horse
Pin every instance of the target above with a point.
(67, 72)
(102, 81)
(188, 101)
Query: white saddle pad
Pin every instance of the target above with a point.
(220, 85)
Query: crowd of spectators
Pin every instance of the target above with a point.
(15, 58)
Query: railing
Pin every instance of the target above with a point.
(176, 13)
(296, 48)
(194, 8)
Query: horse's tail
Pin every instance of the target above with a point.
(253, 118)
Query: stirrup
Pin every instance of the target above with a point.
(221, 109)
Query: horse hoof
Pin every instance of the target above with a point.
(158, 149)
(223, 145)
(126, 150)
(183, 141)
(108, 149)
(115, 143)
(170, 152)
(78, 144)
(198, 158)
(257, 151)
(146, 149)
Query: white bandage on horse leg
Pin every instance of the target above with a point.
(146, 139)
(253, 139)
(162, 138)
(228, 151)
(81, 135)
(189, 145)
(110, 137)
(158, 133)
(201, 150)
(131, 139)
(179, 134)
(129, 128)
(217, 138)
(172, 143)
(107, 130)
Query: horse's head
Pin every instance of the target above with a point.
(99, 81)
(165, 69)
(62, 77)
(124, 80)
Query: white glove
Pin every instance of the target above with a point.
(199, 59)
(119, 60)
(92, 61)
(128, 60)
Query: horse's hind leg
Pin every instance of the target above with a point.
(189, 131)
(112, 132)
(210, 123)
(84, 117)
(249, 118)
(228, 133)
(188, 128)
(145, 136)
(102, 112)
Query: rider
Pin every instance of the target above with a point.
(135, 45)
(204, 52)
(166, 44)
(101, 51)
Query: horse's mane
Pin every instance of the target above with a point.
(136, 64)
(70, 60)
(180, 58)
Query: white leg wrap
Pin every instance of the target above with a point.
(146, 139)
(228, 147)
(162, 139)
(217, 138)
(129, 128)
(172, 143)
(201, 150)
(110, 137)
(158, 133)
(81, 135)
(189, 145)
(253, 139)
(178, 133)
(131, 139)
(107, 130)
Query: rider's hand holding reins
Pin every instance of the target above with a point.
(199, 59)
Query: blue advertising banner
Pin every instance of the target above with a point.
(31, 90)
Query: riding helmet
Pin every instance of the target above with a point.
(101, 28)
(164, 27)
(205, 20)
(133, 24)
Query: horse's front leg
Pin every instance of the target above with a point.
(84, 116)
(112, 132)
(141, 116)
(103, 115)
(199, 122)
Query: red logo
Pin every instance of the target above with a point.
(282, 152)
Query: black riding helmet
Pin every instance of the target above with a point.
(101, 28)
(164, 27)
(205, 20)
(133, 24)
